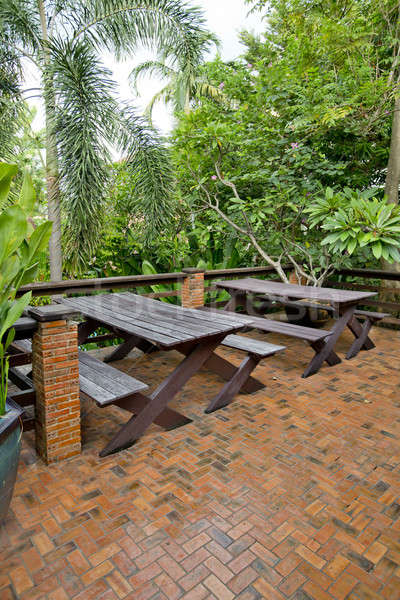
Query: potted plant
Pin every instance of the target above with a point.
(20, 246)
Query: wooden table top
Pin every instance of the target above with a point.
(158, 322)
(289, 290)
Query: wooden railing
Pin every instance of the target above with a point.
(87, 286)
(358, 279)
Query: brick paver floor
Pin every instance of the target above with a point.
(292, 492)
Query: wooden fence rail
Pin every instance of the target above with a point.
(345, 278)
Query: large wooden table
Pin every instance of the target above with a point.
(150, 324)
(343, 302)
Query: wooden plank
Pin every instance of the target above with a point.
(233, 387)
(24, 397)
(97, 378)
(19, 379)
(246, 344)
(131, 315)
(175, 319)
(108, 319)
(187, 315)
(372, 315)
(240, 271)
(298, 331)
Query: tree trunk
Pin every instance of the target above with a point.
(52, 175)
(392, 192)
(393, 168)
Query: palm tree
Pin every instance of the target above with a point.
(186, 81)
(64, 40)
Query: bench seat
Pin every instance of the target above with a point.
(297, 331)
(252, 346)
(103, 383)
(374, 316)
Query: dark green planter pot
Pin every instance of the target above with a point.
(10, 445)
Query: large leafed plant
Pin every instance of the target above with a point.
(21, 244)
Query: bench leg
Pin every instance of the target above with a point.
(328, 346)
(358, 331)
(159, 399)
(226, 370)
(232, 387)
(362, 340)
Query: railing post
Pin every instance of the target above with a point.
(55, 372)
(192, 291)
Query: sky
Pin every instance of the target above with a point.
(225, 18)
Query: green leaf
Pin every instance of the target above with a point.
(377, 250)
(13, 228)
(7, 172)
(27, 196)
(14, 312)
(39, 239)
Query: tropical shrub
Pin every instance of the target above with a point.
(20, 247)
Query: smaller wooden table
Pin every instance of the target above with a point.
(344, 302)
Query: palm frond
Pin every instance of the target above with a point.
(150, 68)
(12, 107)
(149, 163)
(164, 95)
(20, 22)
(83, 115)
(120, 25)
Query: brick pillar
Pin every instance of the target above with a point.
(56, 379)
(192, 292)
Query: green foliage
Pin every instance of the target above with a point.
(83, 117)
(354, 220)
(20, 248)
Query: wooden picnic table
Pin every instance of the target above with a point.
(146, 324)
(343, 302)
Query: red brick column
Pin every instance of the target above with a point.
(56, 379)
(192, 292)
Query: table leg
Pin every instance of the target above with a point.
(85, 329)
(236, 300)
(332, 359)
(362, 340)
(123, 349)
(234, 385)
(327, 349)
(168, 419)
(159, 399)
(360, 331)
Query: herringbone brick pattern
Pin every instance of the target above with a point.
(292, 492)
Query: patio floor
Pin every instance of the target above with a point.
(292, 492)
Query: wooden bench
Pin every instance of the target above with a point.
(105, 385)
(316, 338)
(239, 381)
(361, 331)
